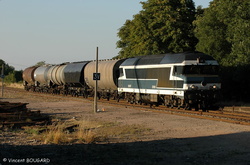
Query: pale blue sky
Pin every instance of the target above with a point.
(57, 31)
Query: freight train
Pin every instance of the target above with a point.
(182, 80)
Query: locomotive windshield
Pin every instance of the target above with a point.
(196, 69)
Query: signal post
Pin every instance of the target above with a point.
(96, 77)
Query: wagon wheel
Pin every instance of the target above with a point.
(140, 102)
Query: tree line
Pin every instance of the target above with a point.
(10, 74)
(220, 30)
(163, 26)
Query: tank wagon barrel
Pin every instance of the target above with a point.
(74, 74)
(28, 77)
(50, 75)
(40, 75)
(109, 71)
(74, 83)
(57, 74)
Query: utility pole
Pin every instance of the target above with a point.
(95, 77)
(2, 76)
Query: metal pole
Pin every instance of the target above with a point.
(96, 82)
(2, 75)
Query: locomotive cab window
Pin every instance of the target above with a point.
(121, 72)
(178, 70)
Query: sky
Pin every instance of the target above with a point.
(57, 31)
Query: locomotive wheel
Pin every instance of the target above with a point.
(187, 107)
(196, 108)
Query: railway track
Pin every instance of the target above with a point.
(224, 116)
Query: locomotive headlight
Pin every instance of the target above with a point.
(193, 87)
(213, 87)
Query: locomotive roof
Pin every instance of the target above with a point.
(169, 58)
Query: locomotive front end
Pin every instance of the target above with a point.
(201, 83)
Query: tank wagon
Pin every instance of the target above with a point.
(41, 79)
(74, 83)
(56, 80)
(66, 78)
(187, 80)
(28, 78)
(108, 83)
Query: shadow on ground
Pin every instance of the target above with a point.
(227, 149)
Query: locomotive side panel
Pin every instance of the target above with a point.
(161, 76)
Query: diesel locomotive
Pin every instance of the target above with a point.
(183, 80)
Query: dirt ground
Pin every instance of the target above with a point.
(171, 139)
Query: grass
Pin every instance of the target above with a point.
(15, 85)
(86, 131)
(55, 135)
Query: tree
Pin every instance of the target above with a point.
(40, 63)
(7, 68)
(11, 76)
(162, 26)
(223, 31)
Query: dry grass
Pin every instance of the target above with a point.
(56, 135)
(87, 136)
(15, 85)
(71, 132)
(87, 132)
